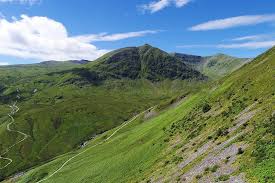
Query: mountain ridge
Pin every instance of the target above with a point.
(215, 66)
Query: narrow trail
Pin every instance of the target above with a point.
(14, 110)
(99, 143)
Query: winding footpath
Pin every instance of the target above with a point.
(99, 143)
(14, 109)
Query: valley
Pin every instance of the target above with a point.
(140, 91)
(190, 130)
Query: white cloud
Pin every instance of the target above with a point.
(156, 6)
(234, 22)
(113, 37)
(4, 63)
(46, 39)
(30, 2)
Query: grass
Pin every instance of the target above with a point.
(227, 98)
(60, 118)
(122, 158)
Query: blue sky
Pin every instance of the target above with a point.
(36, 30)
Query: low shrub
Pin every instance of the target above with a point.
(223, 178)
(206, 107)
(198, 176)
(214, 168)
(240, 151)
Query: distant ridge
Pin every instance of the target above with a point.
(215, 66)
(53, 62)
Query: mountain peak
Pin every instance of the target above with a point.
(146, 45)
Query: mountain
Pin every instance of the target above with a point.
(63, 104)
(215, 66)
(224, 132)
(144, 62)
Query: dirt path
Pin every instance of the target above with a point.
(99, 143)
(14, 110)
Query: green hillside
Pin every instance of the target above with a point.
(216, 66)
(220, 133)
(64, 104)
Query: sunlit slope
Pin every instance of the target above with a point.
(230, 134)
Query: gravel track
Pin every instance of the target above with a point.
(14, 110)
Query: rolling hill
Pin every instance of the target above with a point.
(223, 132)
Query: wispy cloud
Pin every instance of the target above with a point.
(46, 39)
(249, 45)
(197, 46)
(114, 37)
(181, 3)
(29, 2)
(4, 63)
(256, 37)
(245, 45)
(156, 6)
(234, 22)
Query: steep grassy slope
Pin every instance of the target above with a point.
(215, 66)
(61, 106)
(231, 132)
(225, 131)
